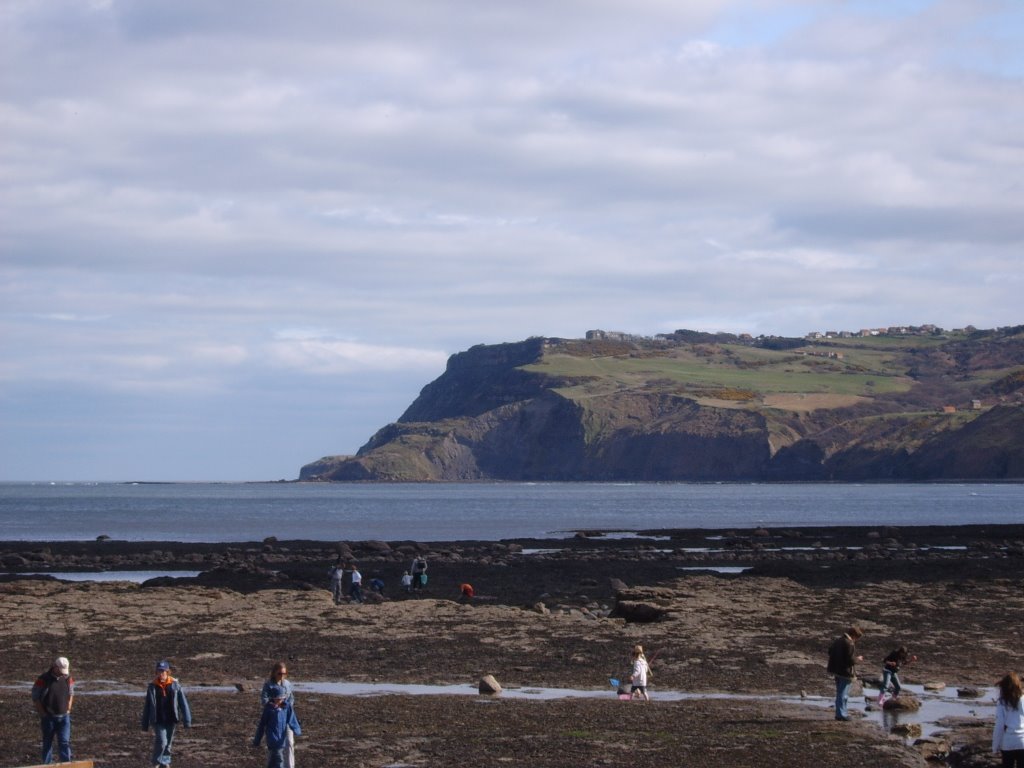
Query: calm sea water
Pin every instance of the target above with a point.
(440, 512)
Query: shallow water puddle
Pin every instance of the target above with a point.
(606, 534)
(540, 551)
(716, 568)
(935, 705)
(529, 692)
(136, 577)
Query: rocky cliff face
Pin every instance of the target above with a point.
(544, 438)
(480, 380)
(503, 412)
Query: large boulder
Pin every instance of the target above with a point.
(907, 730)
(638, 612)
(489, 686)
(617, 585)
(375, 546)
(13, 561)
(904, 703)
(933, 748)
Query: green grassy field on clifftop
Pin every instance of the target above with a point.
(860, 373)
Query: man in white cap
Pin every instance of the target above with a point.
(53, 694)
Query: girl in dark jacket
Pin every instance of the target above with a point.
(891, 672)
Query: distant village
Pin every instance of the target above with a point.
(893, 330)
(686, 335)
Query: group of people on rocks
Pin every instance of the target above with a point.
(1008, 732)
(355, 589)
(165, 708)
(414, 579)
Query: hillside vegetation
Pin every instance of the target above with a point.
(692, 406)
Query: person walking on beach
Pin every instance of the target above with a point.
(276, 723)
(279, 679)
(407, 581)
(641, 671)
(419, 572)
(891, 672)
(355, 591)
(52, 695)
(842, 658)
(1008, 733)
(165, 707)
(337, 574)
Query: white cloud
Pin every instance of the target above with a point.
(181, 181)
(326, 356)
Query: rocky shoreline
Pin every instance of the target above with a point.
(550, 612)
(822, 554)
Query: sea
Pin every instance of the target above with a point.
(225, 512)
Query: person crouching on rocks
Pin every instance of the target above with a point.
(277, 720)
(165, 707)
(466, 593)
(641, 671)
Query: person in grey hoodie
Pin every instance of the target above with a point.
(166, 706)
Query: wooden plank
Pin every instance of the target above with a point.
(72, 764)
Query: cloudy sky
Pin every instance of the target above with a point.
(236, 237)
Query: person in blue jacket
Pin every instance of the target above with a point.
(277, 719)
(166, 706)
(279, 677)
